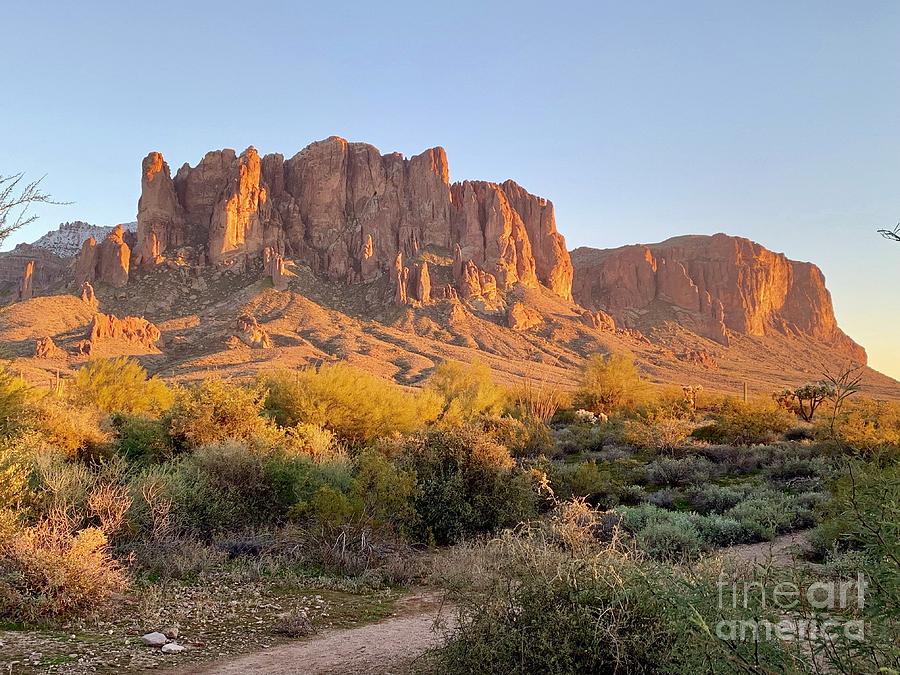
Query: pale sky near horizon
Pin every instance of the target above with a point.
(778, 121)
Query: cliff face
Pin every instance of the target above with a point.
(713, 285)
(347, 211)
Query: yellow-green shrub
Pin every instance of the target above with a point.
(868, 424)
(467, 392)
(610, 383)
(657, 430)
(13, 395)
(216, 410)
(354, 404)
(119, 385)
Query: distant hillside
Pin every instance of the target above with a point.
(66, 241)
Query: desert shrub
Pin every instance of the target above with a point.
(666, 498)
(14, 393)
(119, 385)
(712, 498)
(732, 459)
(142, 439)
(609, 384)
(863, 517)
(221, 486)
(582, 438)
(739, 423)
(689, 470)
(317, 443)
(215, 410)
(49, 573)
(673, 541)
(354, 404)
(536, 403)
(523, 438)
(467, 392)
(582, 479)
(527, 605)
(767, 513)
(78, 432)
(467, 484)
(717, 531)
(868, 425)
(386, 492)
(657, 431)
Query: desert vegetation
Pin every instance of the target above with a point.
(576, 530)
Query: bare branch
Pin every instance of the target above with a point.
(891, 234)
(15, 200)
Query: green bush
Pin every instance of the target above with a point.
(528, 605)
(13, 396)
(673, 541)
(356, 405)
(140, 439)
(689, 470)
(119, 385)
(739, 423)
(467, 484)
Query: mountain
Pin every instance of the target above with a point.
(67, 239)
(716, 286)
(244, 263)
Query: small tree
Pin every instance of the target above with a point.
(843, 385)
(804, 401)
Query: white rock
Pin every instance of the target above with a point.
(155, 639)
(172, 648)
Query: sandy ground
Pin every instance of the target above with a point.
(781, 551)
(389, 646)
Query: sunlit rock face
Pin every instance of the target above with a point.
(347, 211)
(714, 285)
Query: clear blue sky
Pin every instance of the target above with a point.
(779, 121)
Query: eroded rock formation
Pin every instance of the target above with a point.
(251, 333)
(134, 329)
(45, 348)
(108, 262)
(712, 285)
(346, 211)
(519, 317)
(26, 288)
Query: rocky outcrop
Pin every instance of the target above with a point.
(519, 317)
(346, 211)
(87, 293)
(712, 285)
(47, 270)
(134, 329)
(275, 269)
(251, 333)
(26, 288)
(108, 263)
(45, 348)
(598, 319)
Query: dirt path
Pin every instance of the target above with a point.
(780, 552)
(389, 646)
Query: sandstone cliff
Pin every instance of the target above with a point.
(347, 212)
(712, 285)
(108, 262)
